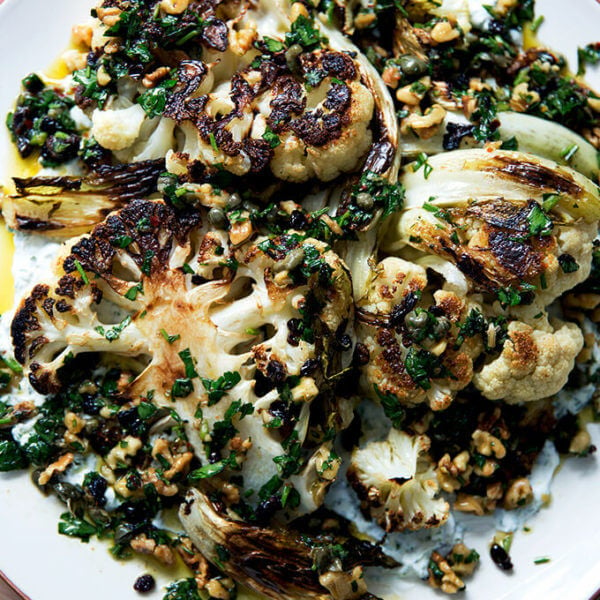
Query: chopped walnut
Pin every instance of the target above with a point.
(444, 32)
(453, 473)
(109, 16)
(343, 585)
(427, 125)
(487, 444)
(240, 232)
(522, 97)
(470, 504)
(73, 422)
(463, 559)
(241, 41)
(164, 489)
(174, 7)
(519, 493)
(142, 544)
(58, 466)
(442, 576)
(364, 20)
(123, 452)
(220, 588)
(151, 79)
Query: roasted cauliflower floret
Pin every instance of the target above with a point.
(117, 129)
(411, 336)
(534, 363)
(236, 336)
(268, 116)
(396, 483)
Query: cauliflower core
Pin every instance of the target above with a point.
(397, 484)
(205, 329)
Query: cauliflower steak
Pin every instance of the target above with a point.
(241, 335)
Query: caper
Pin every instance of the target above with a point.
(291, 57)
(217, 218)
(364, 201)
(249, 206)
(163, 182)
(412, 66)
(441, 327)
(416, 320)
(234, 201)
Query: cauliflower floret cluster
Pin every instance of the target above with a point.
(411, 334)
(534, 363)
(245, 90)
(237, 339)
(396, 483)
(504, 252)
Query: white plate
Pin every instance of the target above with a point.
(47, 566)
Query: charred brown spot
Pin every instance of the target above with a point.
(535, 175)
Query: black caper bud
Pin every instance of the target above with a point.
(441, 327)
(412, 66)
(500, 557)
(145, 583)
(291, 57)
(217, 218)
(234, 201)
(364, 201)
(416, 320)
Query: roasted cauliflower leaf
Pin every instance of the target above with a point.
(396, 483)
(63, 207)
(240, 336)
(280, 563)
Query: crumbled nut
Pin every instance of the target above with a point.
(240, 232)
(444, 32)
(220, 588)
(452, 474)
(75, 441)
(297, 9)
(74, 59)
(142, 544)
(522, 97)
(151, 79)
(462, 559)
(174, 7)
(450, 583)
(162, 488)
(503, 6)
(231, 493)
(112, 46)
(123, 451)
(519, 493)
(364, 20)
(488, 468)
(194, 560)
(58, 466)
(427, 125)
(73, 422)
(341, 584)
(241, 41)
(102, 76)
(306, 390)
(413, 94)
(469, 503)
(82, 34)
(487, 444)
(109, 16)
(581, 442)
(391, 76)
